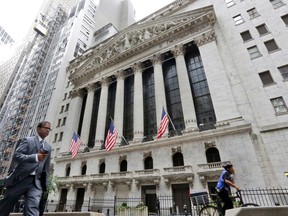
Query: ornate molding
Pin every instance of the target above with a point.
(77, 93)
(120, 74)
(205, 38)
(209, 144)
(156, 59)
(176, 149)
(136, 38)
(178, 50)
(137, 67)
(122, 157)
(147, 154)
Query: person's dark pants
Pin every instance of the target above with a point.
(228, 204)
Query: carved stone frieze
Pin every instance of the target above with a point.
(101, 160)
(147, 154)
(77, 93)
(122, 157)
(137, 38)
(178, 50)
(205, 38)
(209, 144)
(176, 149)
(156, 59)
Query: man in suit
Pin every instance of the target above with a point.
(30, 175)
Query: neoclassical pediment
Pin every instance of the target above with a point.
(136, 39)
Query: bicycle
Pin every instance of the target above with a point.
(211, 210)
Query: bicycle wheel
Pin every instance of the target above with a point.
(209, 211)
(250, 205)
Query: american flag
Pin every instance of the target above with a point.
(111, 137)
(75, 144)
(163, 124)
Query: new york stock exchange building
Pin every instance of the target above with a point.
(190, 60)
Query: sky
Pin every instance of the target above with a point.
(17, 16)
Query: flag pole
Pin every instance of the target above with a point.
(121, 135)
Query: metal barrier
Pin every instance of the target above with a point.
(164, 205)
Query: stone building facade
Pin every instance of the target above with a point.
(219, 77)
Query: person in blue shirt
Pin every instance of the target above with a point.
(223, 186)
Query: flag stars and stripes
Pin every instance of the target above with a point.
(163, 124)
(75, 144)
(111, 137)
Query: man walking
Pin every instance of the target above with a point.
(30, 175)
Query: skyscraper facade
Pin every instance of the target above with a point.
(62, 32)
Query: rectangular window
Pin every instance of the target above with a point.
(254, 52)
(262, 29)
(55, 137)
(238, 19)
(229, 3)
(271, 45)
(284, 71)
(61, 136)
(59, 122)
(253, 13)
(279, 105)
(62, 109)
(64, 121)
(266, 78)
(246, 36)
(277, 3)
(67, 107)
(65, 96)
(285, 19)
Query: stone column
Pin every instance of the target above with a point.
(217, 77)
(87, 114)
(138, 121)
(160, 97)
(101, 122)
(73, 118)
(119, 104)
(185, 90)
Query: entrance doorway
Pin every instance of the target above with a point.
(63, 199)
(79, 199)
(149, 195)
(181, 198)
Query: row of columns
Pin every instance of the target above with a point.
(160, 99)
(138, 123)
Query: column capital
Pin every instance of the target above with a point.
(91, 87)
(205, 38)
(105, 81)
(120, 74)
(137, 67)
(156, 59)
(77, 93)
(178, 50)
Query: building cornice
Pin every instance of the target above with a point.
(136, 39)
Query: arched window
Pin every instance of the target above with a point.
(148, 163)
(178, 159)
(84, 168)
(123, 166)
(212, 155)
(102, 168)
(68, 171)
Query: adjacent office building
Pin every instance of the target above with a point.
(218, 68)
(64, 29)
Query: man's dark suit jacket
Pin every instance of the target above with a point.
(24, 160)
